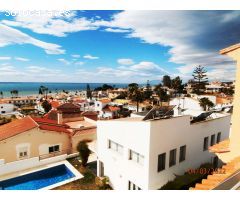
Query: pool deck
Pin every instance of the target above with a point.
(39, 168)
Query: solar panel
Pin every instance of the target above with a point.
(202, 117)
(159, 113)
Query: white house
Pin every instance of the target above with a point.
(137, 153)
(6, 108)
(100, 104)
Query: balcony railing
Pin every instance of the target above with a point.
(56, 153)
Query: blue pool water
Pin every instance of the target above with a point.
(38, 180)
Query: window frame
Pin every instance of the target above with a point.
(140, 157)
(182, 157)
(219, 135)
(163, 162)
(172, 160)
(55, 148)
(213, 140)
(205, 143)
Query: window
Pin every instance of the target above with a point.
(132, 186)
(218, 137)
(136, 157)
(182, 155)
(212, 140)
(205, 144)
(161, 161)
(115, 146)
(53, 149)
(23, 152)
(172, 157)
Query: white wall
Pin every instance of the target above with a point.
(131, 135)
(151, 138)
(165, 136)
(28, 163)
(6, 108)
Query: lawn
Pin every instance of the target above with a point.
(89, 182)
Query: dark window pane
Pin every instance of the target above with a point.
(218, 137)
(205, 145)
(182, 156)
(212, 140)
(172, 157)
(51, 149)
(161, 161)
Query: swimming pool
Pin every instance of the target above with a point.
(39, 179)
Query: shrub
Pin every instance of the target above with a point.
(187, 180)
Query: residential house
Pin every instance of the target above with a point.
(146, 152)
(228, 151)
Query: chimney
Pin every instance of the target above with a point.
(59, 118)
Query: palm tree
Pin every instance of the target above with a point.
(43, 90)
(205, 103)
(1, 94)
(161, 93)
(135, 94)
(84, 151)
(14, 93)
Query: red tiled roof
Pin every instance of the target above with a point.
(89, 113)
(111, 108)
(60, 129)
(55, 104)
(221, 147)
(16, 127)
(105, 100)
(48, 122)
(86, 131)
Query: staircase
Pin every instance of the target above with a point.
(218, 177)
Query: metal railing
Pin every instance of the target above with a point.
(56, 153)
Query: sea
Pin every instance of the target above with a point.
(32, 88)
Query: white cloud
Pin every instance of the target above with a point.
(64, 61)
(88, 56)
(5, 58)
(75, 56)
(21, 59)
(125, 61)
(116, 30)
(45, 23)
(193, 37)
(10, 36)
(79, 63)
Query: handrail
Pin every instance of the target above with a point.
(57, 153)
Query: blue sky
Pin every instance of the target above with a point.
(115, 46)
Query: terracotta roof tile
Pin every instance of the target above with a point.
(217, 178)
(59, 129)
(220, 147)
(111, 108)
(105, 100)
(86, 131)
(16, 127)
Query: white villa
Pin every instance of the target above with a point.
(6, 108)
(142, 153)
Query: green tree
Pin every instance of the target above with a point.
(167, 81)
(43, 90)
(46, 106)
(200, 79)
(205, 103)
(84, 151)
(14, 93)
(135, 94)
(89, 92)
(148, 92)
(161, 93)
(1, 94)
(177, 84)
